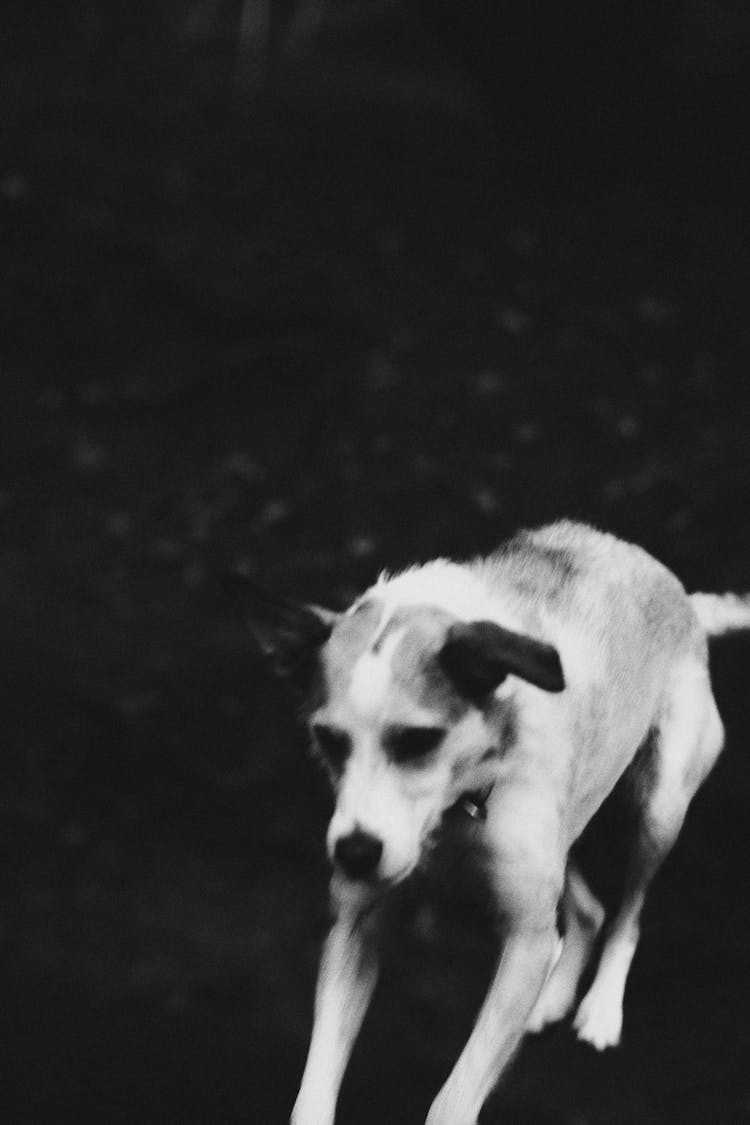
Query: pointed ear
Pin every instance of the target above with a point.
(287, 632)
(479, 655)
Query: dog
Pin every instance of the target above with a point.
(524, 685)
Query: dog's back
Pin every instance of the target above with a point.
(570, 572)
(567, 580)
(622, 623)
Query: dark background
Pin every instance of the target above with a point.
(319, 289)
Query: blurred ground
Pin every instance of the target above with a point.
(350, 320)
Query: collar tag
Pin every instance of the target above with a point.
(474, 803)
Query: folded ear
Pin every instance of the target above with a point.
(478, 656)
(287, 632)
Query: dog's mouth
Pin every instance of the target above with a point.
(399, 876)
(369, 889)
(385, 879)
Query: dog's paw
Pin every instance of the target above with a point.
(598, 1020)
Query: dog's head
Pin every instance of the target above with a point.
(403, 712)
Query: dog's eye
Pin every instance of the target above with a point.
(334, 744)
(409, 744)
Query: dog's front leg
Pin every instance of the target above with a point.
(346, 980)
(528, 954)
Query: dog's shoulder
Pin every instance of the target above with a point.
(546, 569)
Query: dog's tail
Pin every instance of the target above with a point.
(722, 613)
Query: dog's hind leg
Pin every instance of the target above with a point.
(687, 739)
(582, 918)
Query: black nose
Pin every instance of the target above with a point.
(358, 854)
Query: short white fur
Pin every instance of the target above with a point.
(371, 678)
(633, 650)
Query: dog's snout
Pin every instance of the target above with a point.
(358, 854)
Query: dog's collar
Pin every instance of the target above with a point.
(474, 802)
